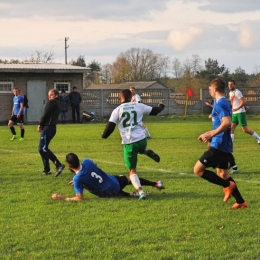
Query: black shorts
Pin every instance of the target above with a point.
(215, 158)
(123, 181)
(17, 120)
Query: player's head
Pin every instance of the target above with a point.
(16, 92)
(132, 89)
(231, 84)
(217, 85)
(74, 89)
(125, 95)
(53, 93)
(72, 161)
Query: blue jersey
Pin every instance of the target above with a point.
(96, 181)
(17, 101)
(221, 141)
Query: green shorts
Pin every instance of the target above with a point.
(239, 119)
(131, 152)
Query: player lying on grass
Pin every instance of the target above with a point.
(88, 176)
(129, 117)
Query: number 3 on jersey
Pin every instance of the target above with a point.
(129, 118)
(94, 175)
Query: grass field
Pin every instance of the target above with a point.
(188, 220)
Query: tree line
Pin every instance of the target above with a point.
(140, 64)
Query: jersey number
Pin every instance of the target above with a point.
(127, 116)
(94, 175)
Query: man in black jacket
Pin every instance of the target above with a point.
(47, 128)
(75, 100)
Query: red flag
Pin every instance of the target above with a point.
(190, 92)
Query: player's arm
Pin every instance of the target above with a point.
(21, 109)
(156, 110)
(110, 127)
(225, 124)
(78, 197)
(241, 104)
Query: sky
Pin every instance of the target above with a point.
(223, 30)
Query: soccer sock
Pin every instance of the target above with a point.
(13, 130)
(146, 131)
(256, 136)
(135, 181)
(232, 137)
(214, 178)
(234, 167)
(236, 194)
(22, 133)
(145, 182)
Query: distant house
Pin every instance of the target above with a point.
(35, 80)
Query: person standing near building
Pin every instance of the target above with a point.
(217, 156)
(75, 100)
(129, 116)
(25, 103)
(137, 98)
(64, 105)
(17, 116)
(239, 112)
(47, 128)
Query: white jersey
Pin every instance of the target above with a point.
(128, 116)
(234, 97)
(136, 98)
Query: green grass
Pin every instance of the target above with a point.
(188, 220)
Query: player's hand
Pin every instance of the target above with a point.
(71, 183)
(39, 128)
(205, 137)
(57, 196)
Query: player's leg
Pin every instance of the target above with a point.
(11, 123)
(234, 123)
(20, 122)
(43, 153)
(232, 163)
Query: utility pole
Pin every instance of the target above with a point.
(66, 47)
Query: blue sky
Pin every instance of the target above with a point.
(101, 30)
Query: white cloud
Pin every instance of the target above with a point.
(180, 39)
(248, 35)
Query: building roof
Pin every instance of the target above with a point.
(42, 68)
(137, 85)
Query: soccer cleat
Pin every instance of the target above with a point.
(14, 137)
(229, 190)
(152, 155)
(235, 171)
(21, 139)
(159, 185)
(45, 173)
(136, 194)
(59, 170)
(142, 196)
(240, 206)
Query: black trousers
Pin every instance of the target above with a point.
(75, 110)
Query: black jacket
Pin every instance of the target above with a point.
(75, 98)
(51, 113)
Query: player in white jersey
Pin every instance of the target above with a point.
(238, 111)
(137, 98)
(128, 116)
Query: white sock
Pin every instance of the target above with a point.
(135, 181)
(232, 137)
(256, 136)
(146, 131)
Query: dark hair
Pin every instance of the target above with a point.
(127, 94)
(231, 80)
(63, 91)
(73, 160)
(74, 87)
(219, 84)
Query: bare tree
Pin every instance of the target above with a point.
(40, 57)
(177, 68)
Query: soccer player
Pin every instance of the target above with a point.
(220, 147)
(90, 177)
(17, 115)
(47, 128)
(129, 116)
(137, 98)
(239, 112)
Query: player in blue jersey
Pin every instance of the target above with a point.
(220, 146)
(90, 177)
(17, 115)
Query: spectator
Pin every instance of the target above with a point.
(75, 100)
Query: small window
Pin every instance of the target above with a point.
(62, 85)
(6, 87)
